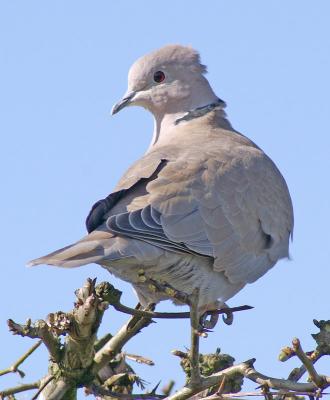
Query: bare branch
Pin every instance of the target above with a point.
(80, 359)
(58, 388)
(139, 359)
(115, 344)
(188, 391)
(247, 370)
(167, 389)
(315, 377)
(102, 341)
(282, 384)
(221, 388)
(297, 373)
(195, 376)
(39, 329)
(101, 391)
(241, 395)
(114, 301)
(174, 315)
(42, 386)
(18, 389)
(14, 367)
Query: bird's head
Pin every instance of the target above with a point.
(168, 80)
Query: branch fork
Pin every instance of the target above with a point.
(100, 365)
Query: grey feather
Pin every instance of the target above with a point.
(203, 207)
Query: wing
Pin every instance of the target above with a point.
(136, 176)
(235, 208)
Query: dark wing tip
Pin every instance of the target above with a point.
(96, 215)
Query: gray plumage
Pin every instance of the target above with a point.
(204, 207)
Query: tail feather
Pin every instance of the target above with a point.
(90, 249)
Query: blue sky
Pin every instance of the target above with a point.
(64, 64)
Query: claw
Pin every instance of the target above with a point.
(208, 322)
(228, 318)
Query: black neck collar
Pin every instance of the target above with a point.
(200, 111)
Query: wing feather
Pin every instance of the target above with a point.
(238, 211)
(228, 202)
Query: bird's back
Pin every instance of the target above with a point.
(215, 192)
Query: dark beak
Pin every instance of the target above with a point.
(125, 101)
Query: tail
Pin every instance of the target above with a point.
(90, 249)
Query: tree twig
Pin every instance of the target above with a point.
(101, 391)
(174, 315)
(115, 344)
(256, 394)
(315, 377)
(297, 373)
(14, 367)
(247, 370)
(56, 389)
(282, 384)
(114, 301)
(139, 359)
(43, 384)
(195, 376)
(167, 389)
(79, 359)
(18, 389)
(188, 391)
(102, 341)
(39, 329)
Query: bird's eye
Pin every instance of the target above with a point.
(159, 76)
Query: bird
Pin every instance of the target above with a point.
(204, 208)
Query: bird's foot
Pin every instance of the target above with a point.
(208, 320)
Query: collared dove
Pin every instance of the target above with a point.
(204, 208)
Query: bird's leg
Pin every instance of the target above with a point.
(165, 288)
(229, 318)
(207, 319)
(136, 318)
(195, 376)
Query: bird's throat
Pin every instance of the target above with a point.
(165, 123)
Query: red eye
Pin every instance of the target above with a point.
(159, 76)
